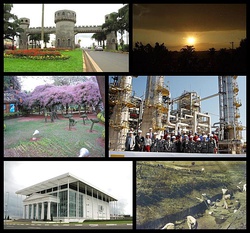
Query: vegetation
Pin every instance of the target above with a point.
(35, 54)
(55, 139)
(117, 22)
(166, 188)
(73, 64)
(11, 24)
(147, 58)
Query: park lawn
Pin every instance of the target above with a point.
(55, 139)
(73, 64)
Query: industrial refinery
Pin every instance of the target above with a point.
(181, 115)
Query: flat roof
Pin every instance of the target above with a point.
(60, 180)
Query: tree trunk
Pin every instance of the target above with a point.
(101, 84)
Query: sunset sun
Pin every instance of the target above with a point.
(191, 40)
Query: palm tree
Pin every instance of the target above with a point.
(112, 25)
(13, 30)
(123, 21)
(99, 37)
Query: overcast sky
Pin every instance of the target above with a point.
(86, 15)
(211, 25)
(29, 83)
(112, 177)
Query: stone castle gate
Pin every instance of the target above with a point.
(65, 31)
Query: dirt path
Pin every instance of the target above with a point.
(220, 218)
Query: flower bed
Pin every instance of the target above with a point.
(35, 54)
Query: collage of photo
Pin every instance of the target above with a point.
(124, 116)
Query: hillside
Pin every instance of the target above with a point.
(168, 191)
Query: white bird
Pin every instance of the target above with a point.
(203, 169)
(84, 152)
(36, 132)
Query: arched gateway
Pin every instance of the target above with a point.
(65, 31)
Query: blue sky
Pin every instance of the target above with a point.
(204, 86)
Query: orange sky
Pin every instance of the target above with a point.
(211, 25)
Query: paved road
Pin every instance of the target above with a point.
(55, 226)
(170, 154)
(110, 62)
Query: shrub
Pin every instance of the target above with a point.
(35, 54)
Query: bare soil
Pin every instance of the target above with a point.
(169, 191)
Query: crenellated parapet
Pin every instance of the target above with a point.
(88, 29)
(36, 30)
(65, 15)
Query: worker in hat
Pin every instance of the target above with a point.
(168, 144)
(174, 147)
(130, 141)
(147, 142)
(212, 146)
(161, 143)
(198, 146)
(204, 144)
(139, 141)
(154, 145)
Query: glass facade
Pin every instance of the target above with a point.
(63, 206)
(80, 205)
(72, 204)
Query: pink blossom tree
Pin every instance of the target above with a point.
(49, 96)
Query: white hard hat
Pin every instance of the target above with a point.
(198, 139)
(173, 137)
(155, 133)
(147, 134)
(168, 136)
(191, 136)
(204, 136)
(130, 132)
(139, 131)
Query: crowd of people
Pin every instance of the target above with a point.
(169, 142)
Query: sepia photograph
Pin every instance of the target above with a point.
(191, 195)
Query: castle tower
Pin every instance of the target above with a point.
(23, 39)
(65, 22)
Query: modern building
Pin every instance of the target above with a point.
(66, 198)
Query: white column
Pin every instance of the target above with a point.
(24, 210)
(48, 210)
(32, 211)
(42, 212)
(36, 210)
(28, 212)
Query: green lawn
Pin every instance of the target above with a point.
(73, 64)
(55, 139)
